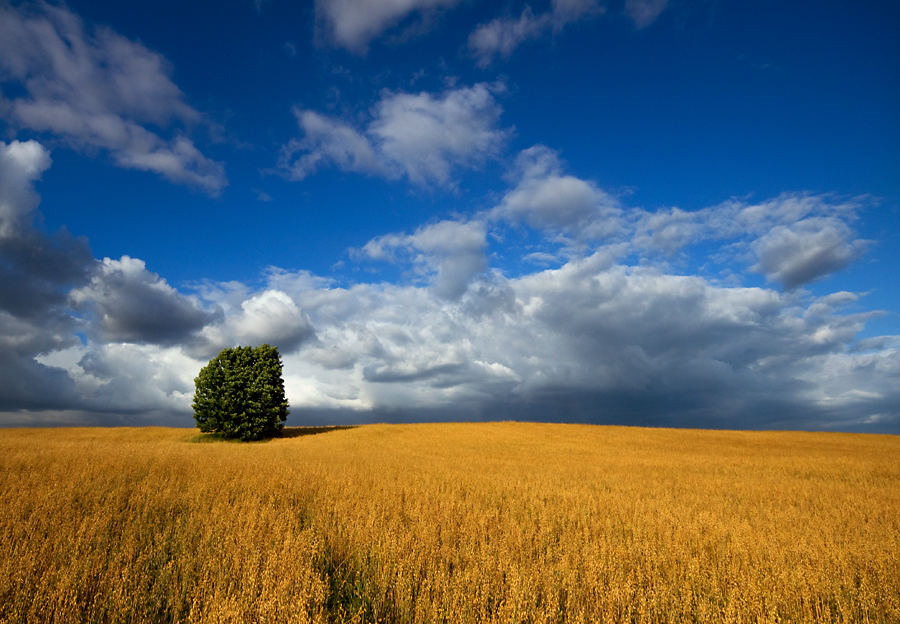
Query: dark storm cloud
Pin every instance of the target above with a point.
(36, 270)
(131, 304)
(28, 384)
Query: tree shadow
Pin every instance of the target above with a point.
(212, 438)
(287, 432)
(299, 432)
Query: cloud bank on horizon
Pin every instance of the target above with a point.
(541, 294)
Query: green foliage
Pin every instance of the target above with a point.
(240, 394)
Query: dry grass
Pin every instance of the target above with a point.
(450, 523)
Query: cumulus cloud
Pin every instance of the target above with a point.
(268, 317)
(422, 136)
(408, 349)
(136, 379)
(451, 253)
(501, 36)
(329, 142)
(594, 340)
(672, 229)
(20, 165)
(94, 89)
(810, 250)
(353, 24)
(131, 304)
(795, 238)
(545, 198)
(428, 135)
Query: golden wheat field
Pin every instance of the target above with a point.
(495, 522)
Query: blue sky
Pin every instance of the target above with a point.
(639, 212)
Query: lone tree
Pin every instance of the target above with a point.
(240, 394)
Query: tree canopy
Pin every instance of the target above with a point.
(240, 394)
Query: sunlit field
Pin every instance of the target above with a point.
(500, 522)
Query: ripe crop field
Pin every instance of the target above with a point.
(495, 522)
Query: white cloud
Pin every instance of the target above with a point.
(21, 164)
(353, 24)
(807, 251)
(99, 90)
(409, 347)
(428, 135)
(141, 378)
(545, 198)
(645, 12)
(422, 136)
(608, 339)
(672, 230)
(328, 142)
(271, 317)
(795, 238)
(451, 253)
(501, 36)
